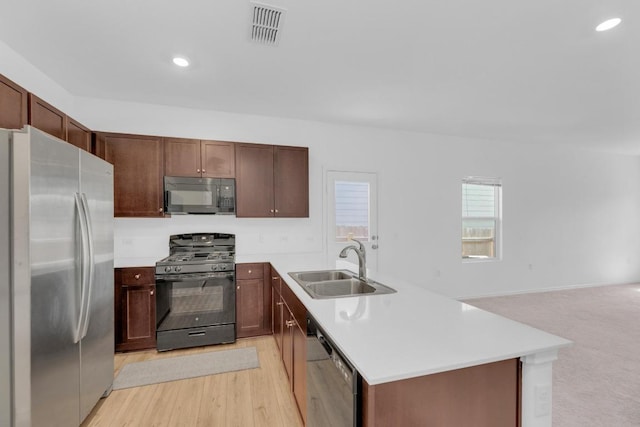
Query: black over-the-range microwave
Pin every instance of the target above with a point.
(184, 195)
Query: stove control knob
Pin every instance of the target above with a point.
(167, 269)
(178, 268)
(213, 267)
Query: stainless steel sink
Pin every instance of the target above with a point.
(321, 276)
(337, 283)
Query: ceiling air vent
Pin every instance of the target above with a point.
(266, 24)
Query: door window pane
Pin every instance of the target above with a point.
(352, 210)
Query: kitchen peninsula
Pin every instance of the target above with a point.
(405, 344)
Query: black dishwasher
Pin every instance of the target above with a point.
(334, 387)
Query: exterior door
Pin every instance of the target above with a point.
(352, 211)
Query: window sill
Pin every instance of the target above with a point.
(474, 260)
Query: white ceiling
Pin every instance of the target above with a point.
(520, 71)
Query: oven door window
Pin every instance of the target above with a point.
(197, 302)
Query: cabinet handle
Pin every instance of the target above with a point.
(290, 323)
(279, 303)
(151, 293)
(160, 210)
(137, 276)
(238, 287)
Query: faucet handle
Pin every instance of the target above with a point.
(362, 248)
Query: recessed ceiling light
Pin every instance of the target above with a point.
(608, 24)
(180, 62)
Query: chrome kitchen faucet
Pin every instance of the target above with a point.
(362, 257)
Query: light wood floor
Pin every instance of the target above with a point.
(253, 397)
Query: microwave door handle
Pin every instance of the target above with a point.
(218, 196)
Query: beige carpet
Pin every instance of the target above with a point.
(596, 382)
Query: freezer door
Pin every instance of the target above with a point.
(97, 327)
(55, 281)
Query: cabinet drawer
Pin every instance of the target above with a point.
(250, 271)
(137, 276)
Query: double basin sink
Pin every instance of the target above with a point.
(324, 284)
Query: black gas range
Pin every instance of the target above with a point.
(195, 291)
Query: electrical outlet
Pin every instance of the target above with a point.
(542, 400)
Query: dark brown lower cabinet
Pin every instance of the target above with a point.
(480, 396)
(253, 299)
(135, 308)
(290, 331)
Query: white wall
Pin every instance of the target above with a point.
(570, 216)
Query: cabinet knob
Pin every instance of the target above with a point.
(290, 323)
(276, 210)
(249, 271)
(151, 293)
(198, 170)
(204, 171)
(137, 276)
(238, 287)
(160, 210)
(271, 210)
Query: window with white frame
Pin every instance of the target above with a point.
(481, 218)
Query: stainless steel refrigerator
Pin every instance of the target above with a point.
(56, 280)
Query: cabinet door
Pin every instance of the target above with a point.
(254, 180)
(278, 317)
(218, 159)
(249, 307)
(13, 105)
(300, 369)
(137, 168)
(182, 157)
(135, 308)
(287, 343)
(139, 321)
(253, 299)
(78, 135)
(291, 181)
(47, 118)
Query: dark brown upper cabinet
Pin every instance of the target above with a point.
(47, 118)
(137, 173)
(272, 181)
(199, 158)
(78, 135)
(13, 105)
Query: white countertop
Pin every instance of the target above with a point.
(414, 332)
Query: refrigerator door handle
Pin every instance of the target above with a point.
(91, 266)
(84, 271)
